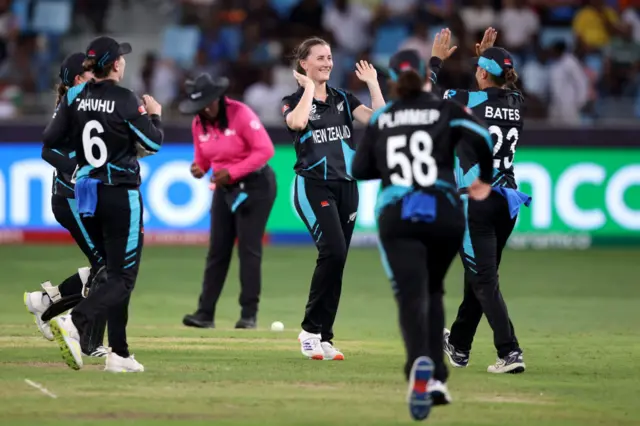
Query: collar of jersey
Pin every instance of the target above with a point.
(331, 92)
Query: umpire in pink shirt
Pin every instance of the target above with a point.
(230, 140)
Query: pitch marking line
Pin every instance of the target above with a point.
(40, 388)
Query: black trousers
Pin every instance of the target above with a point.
(328, 209)
(65, 210)
(116, 229)
(247, 223)
(416, 257)
(489, 226)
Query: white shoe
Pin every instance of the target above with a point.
(66, 335)
(100, 352)
(330, 353)
(37, 303)
(512, 364)
(439, 392)
(117, 364)
(310, 345)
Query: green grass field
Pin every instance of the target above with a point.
(576, 313)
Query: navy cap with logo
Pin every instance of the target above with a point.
(406, 60)
(106, 50)
(495, 61)
(71, 68)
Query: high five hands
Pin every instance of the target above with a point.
(488, 40)
(442, 43)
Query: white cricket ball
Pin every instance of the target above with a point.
(277, 326)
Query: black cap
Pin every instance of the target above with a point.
(106, 50)
(202, 92)
(71, 67)
(495, 61)
(407, 60)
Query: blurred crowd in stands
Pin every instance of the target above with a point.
(577, 59)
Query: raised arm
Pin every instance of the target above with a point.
(298, 117)
(368, 74)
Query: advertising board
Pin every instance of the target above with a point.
(581, 196)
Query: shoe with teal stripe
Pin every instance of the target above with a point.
(419, 397)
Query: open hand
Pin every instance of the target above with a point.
(488, 40)
(442, 45)
(366, 72)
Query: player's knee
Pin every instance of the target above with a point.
(250, 250)
(483, 280)
(334, 253)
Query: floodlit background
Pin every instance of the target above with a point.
(571, 278)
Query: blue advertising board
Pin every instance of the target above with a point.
(173, 199)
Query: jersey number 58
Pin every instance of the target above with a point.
(412, 170)
(88, 142)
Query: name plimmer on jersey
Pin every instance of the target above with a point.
(408, 117)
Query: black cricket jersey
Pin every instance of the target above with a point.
(109, 129)
(64, 162)
(325, 148)
(502, 111)
(409, 145)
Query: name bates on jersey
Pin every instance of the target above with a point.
(331, 134)
(511, 114)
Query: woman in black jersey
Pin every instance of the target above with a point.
(65, 210)
(489, 224)
(110, 129)
(320, 118)
(409, 145)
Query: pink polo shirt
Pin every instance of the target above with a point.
(242, 148)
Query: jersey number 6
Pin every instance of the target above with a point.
(88, 142)
(412, 169)
(512, 136)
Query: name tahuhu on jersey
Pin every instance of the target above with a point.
(97, 105)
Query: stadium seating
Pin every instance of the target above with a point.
(52, 16)
(180, 43)
(387, 40)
